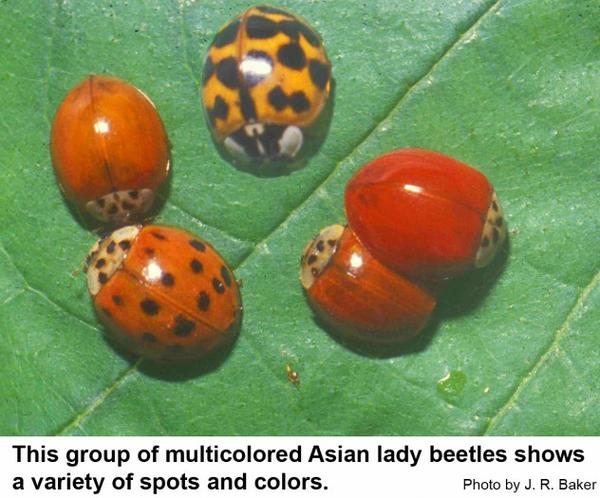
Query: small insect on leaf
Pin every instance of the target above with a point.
(292, 375)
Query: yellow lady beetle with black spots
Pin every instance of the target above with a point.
(266, 82)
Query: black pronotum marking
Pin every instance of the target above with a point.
(227, 72)
(102, 277)
(100, 263)
(148, 337)
(199, 246)
(110, 248)
(125, 245)
(331, 242)
(134, 194)
(149, 306)
(227, 34)
(311, 259)
(167, 280)
(314, 272)
(320, 246)
(226, 277)
(196, 266)
(118, 300)
(183, 326)
(291, 55)
(114, 209)
(218, 285)
(297, 100)
(269, 140)
(203, 301)
(319, 73)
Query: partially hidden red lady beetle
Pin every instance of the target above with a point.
(266, 82)
(424, 214)
(109, 149)
(163, 293)
(360, 297)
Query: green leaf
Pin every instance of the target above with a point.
(510, 87)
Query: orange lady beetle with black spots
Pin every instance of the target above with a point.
(266, 82)
(163, 293)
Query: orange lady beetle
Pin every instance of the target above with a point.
(361, 298)
(109, 149)
(163, 293)
(424, 214)
(266, 82)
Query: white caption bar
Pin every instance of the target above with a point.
(300, 466)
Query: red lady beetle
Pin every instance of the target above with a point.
(360, 297)
(424, 214)
(163, 293)
(109, 149)
(266, 82)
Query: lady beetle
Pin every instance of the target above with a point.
(163, 293)
(424, 214)
(361, 298)
(266, 81)
(109, 149)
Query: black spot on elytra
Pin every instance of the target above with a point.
(219, 111)
(331, 242)
(320, 246)
(485, 241)
(297, 100)
(314, 272)
(199, 246)
(183, 326)
(261, 27)
(110, 248)
(149, 306)
(148, 337)
(118, 300)
(102, 277)
(267, 9)
(203, 301)
(227, 72)
(208, 70)
(218, 285)
(100, 263)
(167, 280)
(125, 245)
(253, 59)
(227, 34)
(226, 277)
(196, 266)
(319, 73)
(158, 235)
(294, 28)
(291, 55)
(247, 105)
(149, 251)
(311, 259)
(134, 194)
